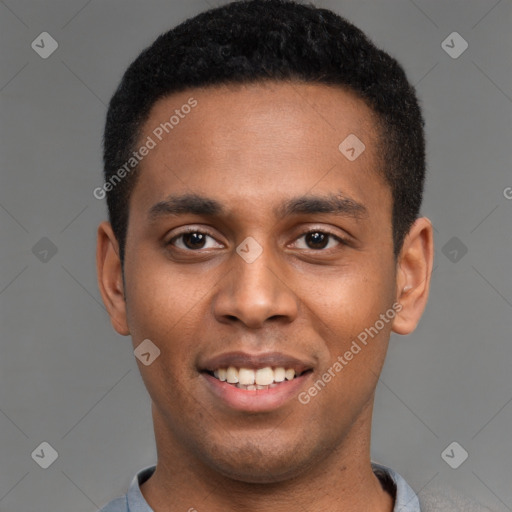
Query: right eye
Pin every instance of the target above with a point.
(191, 240)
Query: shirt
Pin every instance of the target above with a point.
(405, 498)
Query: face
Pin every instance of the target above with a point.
(255, 242)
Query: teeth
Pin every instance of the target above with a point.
(264, 376)
(232, 375)
(246, 378)
(279, 374)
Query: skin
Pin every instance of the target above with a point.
(251, 148)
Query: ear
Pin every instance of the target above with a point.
(110, 277)
(414, 270)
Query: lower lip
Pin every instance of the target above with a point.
(258, 400)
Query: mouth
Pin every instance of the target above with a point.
(255, 383)
(255, 379)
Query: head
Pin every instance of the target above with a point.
(264, 120)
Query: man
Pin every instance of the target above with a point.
(264, 170)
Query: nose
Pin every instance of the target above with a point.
(255, 292)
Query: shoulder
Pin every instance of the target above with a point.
(132, 501)
(447, 500)
(435, 499)
(117, 505)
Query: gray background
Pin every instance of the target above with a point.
(68, 379)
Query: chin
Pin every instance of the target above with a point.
(254, 465)
(269, 474)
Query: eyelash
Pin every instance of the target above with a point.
(339, 239)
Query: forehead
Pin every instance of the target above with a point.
(284, 113)
(259, 141)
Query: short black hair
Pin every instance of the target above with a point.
(250, 41)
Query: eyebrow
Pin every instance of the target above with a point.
(335, 204)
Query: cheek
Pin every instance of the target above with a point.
(161, 307)
(166, 306)
(160, 299)
(347, 315)
(351, 298)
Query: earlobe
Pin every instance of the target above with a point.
(414, 270)
(110, 277)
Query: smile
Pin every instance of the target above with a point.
(254, 379)
(253, 383)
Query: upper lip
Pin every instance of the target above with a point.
(255, 361)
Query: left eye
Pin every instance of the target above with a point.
(319, 239)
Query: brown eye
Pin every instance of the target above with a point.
(318, 240)
(192, 240)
